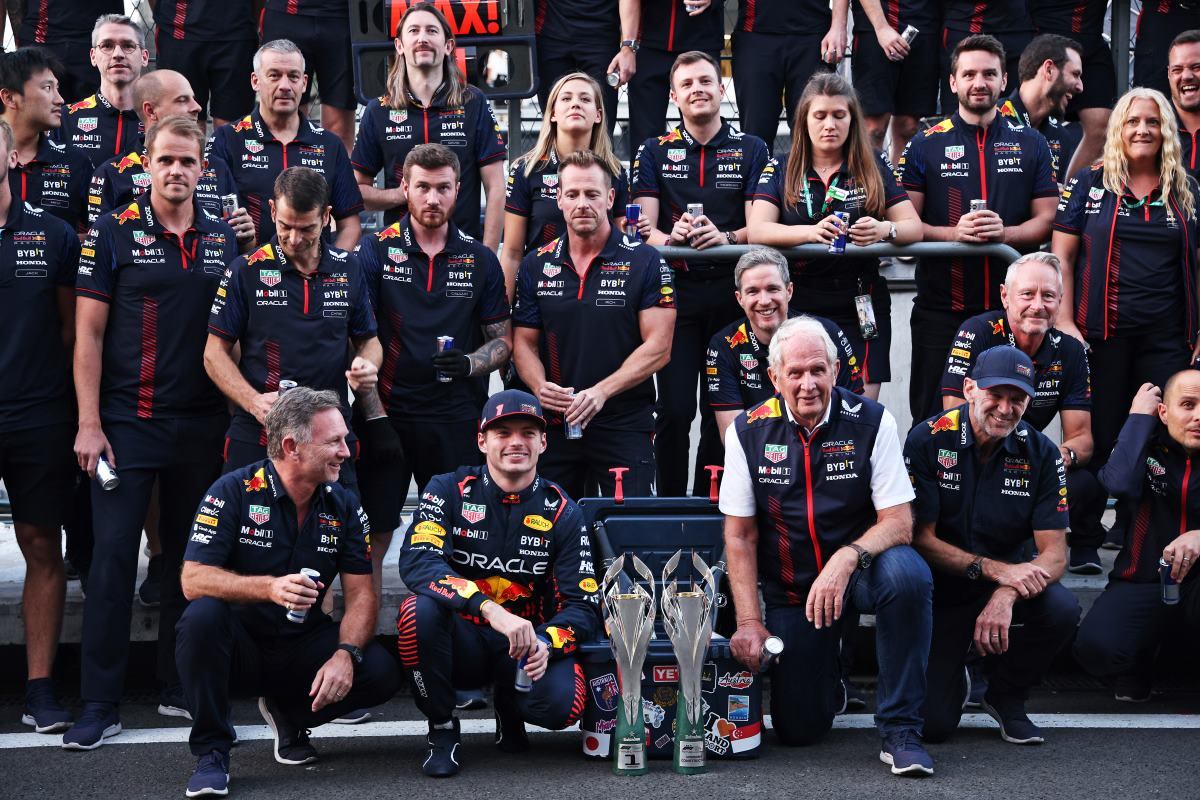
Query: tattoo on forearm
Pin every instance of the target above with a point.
(494, 352)
(371, 405)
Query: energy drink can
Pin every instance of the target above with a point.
(838, 245)
(286, 385)
(106, 476)
(444, 343)
(572, 430)
(300, 616)
(522, 682)
(978, 205)
(633, 215)
(909, 34)
(1170, 587)
(614, 79)
(696, 210)
(229, 205)
(771, 649)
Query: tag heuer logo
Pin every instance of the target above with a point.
(260, 514)
(473, 512)
(270, 277)
(1156, 469)
(254, 146)
(398, 116)
(748, 360)
(143, 238)
(955, 152)
(551, 270)
(947, 458)
(141, 179)
(775, 453)
(88, 124)
(676, 155)
(397, 254)
(1096, 192)
(550, 180)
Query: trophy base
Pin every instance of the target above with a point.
(630, 758)
(689, 756)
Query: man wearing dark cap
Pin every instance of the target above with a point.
(989, 487)
(500, 565)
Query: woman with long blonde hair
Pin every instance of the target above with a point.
(1126, 234)
(429, 101)
(572, 120)
(832, 168)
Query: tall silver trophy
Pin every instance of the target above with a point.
(687, 616)
(629, 617)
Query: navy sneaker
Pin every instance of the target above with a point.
(355, 717)
(1015, 725)
(211, 776)
(442, 761)
(291, 741)
(42, 710)
(98, 722)
(1085, 561)
(469, 699)
(150, 592)
(510, 727)
(171, 703)
(904, 753)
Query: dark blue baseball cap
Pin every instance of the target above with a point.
(511, 403)
(1004, 366)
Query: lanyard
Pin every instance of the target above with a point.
(828, 196)
(1141, 202)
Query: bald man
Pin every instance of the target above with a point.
(1150, 469)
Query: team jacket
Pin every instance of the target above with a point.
(735, 368)
(722, 174)
(247, 524)
(55, 180)
(159, 290)
(386, 135)
(1007, 164)
(1091, 212)
(415, 302)
(811, 492)
(122, 179)
(1060, 366)
(1062, 137)
(667, 26)
(530, 552)
(99, 129)
(1149, 469)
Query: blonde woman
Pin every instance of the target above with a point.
(573, 120)
(1126, 235)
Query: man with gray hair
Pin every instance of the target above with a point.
(816, 505)
(267, 541)
(105, 124)
(1031, 295)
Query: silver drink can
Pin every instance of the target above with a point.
(300, 616)
(697, 211)
(909, 34)
(614, 79)
(285, 385)
(573, 431)
(1170, 587)
(770, 652)
(229, 205)
(106, 476)
(978, 205)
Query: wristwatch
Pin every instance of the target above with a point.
(892, 232)
(731, 237)
(975, 569)
(632, 44)
(355, 652)
(864, 556)
(1074, 458)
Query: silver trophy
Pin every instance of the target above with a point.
(629, 617)
(687, 616)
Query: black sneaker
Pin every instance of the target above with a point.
(98, 722)
(977, 685)
(1015, 725)
(291, 741)
(43, 712)
(150, 592)
(442, 761)
(469, 699)
(1085, 561)
(171, 703)
(1132, 689)
(856, 699)
(211, 776)
(510, 733)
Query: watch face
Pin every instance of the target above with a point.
(974, 570)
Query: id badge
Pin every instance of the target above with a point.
(866, 317)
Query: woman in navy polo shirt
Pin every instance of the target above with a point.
(1126, 234)
(572, 120)
(829, 168)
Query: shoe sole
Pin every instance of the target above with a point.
(56, 727)
(144, 604)
(994, 714)
(1124, 698)
(914, 769)
(109, 732)
(1086, 569)
(210, 792)
(351, 720)
(266, 715)
(174, 711)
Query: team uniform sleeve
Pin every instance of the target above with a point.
(770, 184)
(526, 313)
(657, 292)
(1050, 501)
(362, 317)
(96, 195)
(1124, 474)
(367, 156)
(81, 176)
(424, 561)
(1044, 182)
(229, 312)
(217, 524)
(1071, 203)
(221, 146)
(758, 162)
(721, 376)
(517, 198)
(577, 618)
(489, 144)
(493, 305)
(97, 264)
(67, 268)
(343, 189)
(911, 169)
(225, 181)
(372, 270)
(893, 192)
(645, 172)
(354, 545)
(922, 475)
(1077, 377)
(965, 347)
(890, 485)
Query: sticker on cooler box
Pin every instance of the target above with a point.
(605, 692)
(666, 674)
(738, 709)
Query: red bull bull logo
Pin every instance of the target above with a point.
(243, 124)
(390, 232)
(461, 586)
(131, 160)
(86, 103)
(263, 253)
(257, 482)
(502, 590)
(767, 410)
(941, 127)
(739, 337)
(946, 422)
(560, 637)
(132, 213)
(547, 248)
(673, 136)
(998, 328)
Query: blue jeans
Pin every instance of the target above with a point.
(805, 693)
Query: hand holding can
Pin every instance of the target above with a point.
(1170, 587)
(299, 615)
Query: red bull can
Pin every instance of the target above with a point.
(771, 650)
(838, 245)
(1170, 587)
(978, 205)
(444, 343)
(522, 682)
(106, 476)
(697, 211)
(299, 616)
(633, 214)
(909, 34)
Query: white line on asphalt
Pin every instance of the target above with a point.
(248, 733)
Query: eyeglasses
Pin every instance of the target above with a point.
(128, 48)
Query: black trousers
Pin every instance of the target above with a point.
(1122, 631)
(185, 457)
(442, 651)
(704, 306)
(577, 465)
(932, 334)
(1041, 627)
(218, 658)
(557, 58)
(649, 95)
(767, 67)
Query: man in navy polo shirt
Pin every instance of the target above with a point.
(105, 124)
(38, 257)
(147, 276)
(276, 136)
(703, 160)
(816, 508)
(48, 175)
(975, 154)
(594, 317)
(255, 623)
(295, 306)
(1031, 295)
(989, 486)
(428, 279)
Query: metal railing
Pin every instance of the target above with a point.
(732, 252)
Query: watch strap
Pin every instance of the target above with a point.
(355, 652)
